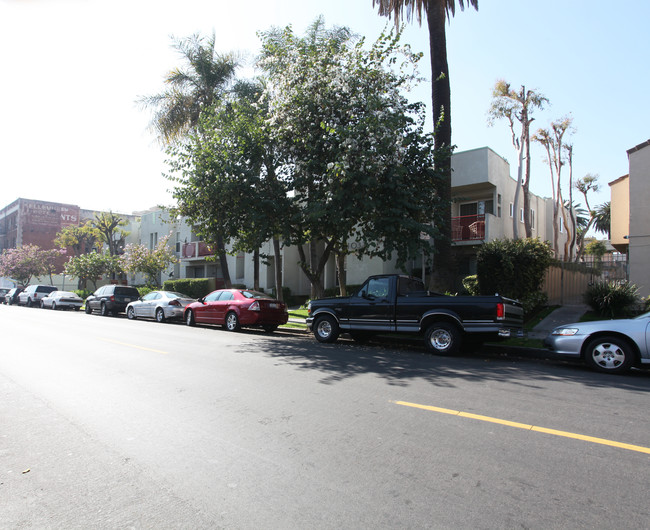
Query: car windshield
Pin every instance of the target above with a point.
(256, 294)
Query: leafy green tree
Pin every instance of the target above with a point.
(91, 267)
(150, 262)
(517, 106)
(81, 239)
(437, 13)
(359, 167)
(109, 226)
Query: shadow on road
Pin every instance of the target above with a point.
(404, 361)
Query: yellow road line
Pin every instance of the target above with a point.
(527, 427)
(135, 346)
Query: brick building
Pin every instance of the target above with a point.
(30, 222)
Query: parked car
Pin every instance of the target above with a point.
(33, 294)
(3, 293)
(62, 300)
(161, 305)
(111, 299)
(234, 308)
(12, 296)
(610, 346)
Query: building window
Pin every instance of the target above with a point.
(561, 225)
(532, 218)
(521, 215)
(498, 205)
(512, 210)
(153, 240)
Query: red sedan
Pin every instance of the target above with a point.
(234, 308)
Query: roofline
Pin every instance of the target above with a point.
(638, 147)
(619, 179)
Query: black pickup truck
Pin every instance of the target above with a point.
(401, 304)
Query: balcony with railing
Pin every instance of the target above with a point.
(195, 250)
(468, 228)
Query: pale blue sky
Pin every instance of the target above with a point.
(70, 130)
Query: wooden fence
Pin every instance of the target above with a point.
(565, 285)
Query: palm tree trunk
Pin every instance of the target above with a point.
(441, 277)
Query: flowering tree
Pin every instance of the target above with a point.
(27, 262)
(150, 262)
(358, 164)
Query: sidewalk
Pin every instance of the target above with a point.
(562, 315)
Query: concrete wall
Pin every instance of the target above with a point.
(639, 235)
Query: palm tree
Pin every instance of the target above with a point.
(204, 81)
(177, 111)
(603, 219)
(437, 12)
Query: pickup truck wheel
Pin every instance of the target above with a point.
(443, 338)
(326, 329)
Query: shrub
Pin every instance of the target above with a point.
(471, 284)
(514, 268)
(192, 287)
(612, 299)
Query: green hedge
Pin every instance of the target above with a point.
(192, 287)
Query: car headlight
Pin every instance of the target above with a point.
(565, 331)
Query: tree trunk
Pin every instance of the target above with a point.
(528, 227)
(278, 269)
(314, 268)
(256, 269)
(223, 261)
(442, 274)
(341, 273)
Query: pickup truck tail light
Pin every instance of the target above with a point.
(501, 311)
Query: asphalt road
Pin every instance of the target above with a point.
(109, 423)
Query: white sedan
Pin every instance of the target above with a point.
(161, 305)
(610, 346)
(62, 300)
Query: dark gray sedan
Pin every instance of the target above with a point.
(610, 346)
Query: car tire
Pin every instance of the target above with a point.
(611, 355)
(326, 329)
(53, 306)
(130, 313)
(160, 315)
(232, 321)
(442, 338)
(88, 309)
(189, 318)
(270, 328)
(103, 310)
(42, 305)
(29, 302)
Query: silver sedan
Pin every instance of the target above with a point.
(161, 305)
(610, 346)
(62, 300)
